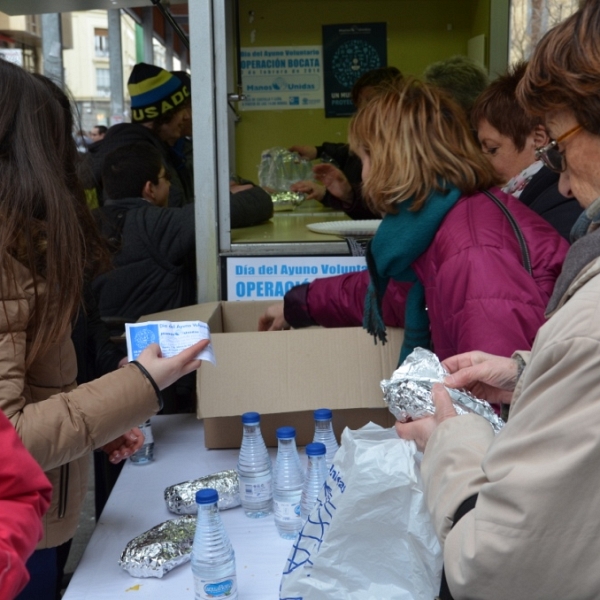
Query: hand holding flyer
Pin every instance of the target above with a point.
(172, 337)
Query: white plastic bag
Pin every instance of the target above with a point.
(370, 535)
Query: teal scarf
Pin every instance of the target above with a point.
(400, 239)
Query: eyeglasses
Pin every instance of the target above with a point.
(551, 156)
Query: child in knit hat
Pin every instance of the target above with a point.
(159, 100)
(160, 111)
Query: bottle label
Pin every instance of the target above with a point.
(147, 431)
(257, 489)
(222, 588)
(287, 511)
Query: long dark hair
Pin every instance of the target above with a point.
(40, 205)
(97, 255)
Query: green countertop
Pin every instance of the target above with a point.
(290, 226)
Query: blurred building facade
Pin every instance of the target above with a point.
(530, 20)
(85, 52)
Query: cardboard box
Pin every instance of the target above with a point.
(285, 375)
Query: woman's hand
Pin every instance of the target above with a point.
(486, 376)
(312, 189)
(335, 181)
(273, 319)
(124, 446)
(166, 371)
(420, 431)
(307, 152)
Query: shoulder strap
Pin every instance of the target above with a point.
(515, 227)
(466, 506)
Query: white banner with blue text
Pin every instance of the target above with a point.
(270, 277)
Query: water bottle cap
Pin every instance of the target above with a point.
(315, 449)
(286, 433)
(322, 414)
(207, 496)
(250, 418)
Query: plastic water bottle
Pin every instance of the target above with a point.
(254, 470)
(316, 474)
(213, 558)
(288, 480)
(324, 433)
(145, 454)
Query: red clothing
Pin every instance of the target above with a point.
(479, 296)
(24, 498)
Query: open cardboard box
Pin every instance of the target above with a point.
(285, 375)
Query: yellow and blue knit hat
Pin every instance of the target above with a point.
(154, 92)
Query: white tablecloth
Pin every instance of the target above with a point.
(136, 504)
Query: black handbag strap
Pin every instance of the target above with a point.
(515, 227)
(461, 511)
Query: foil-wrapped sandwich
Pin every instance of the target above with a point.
(160, 549)
(408, 392)
(181, 498)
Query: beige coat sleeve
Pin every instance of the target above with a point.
(68, 425)
(452, 472)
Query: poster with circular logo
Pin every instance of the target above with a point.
(349, 51)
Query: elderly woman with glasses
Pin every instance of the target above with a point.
(517, 513)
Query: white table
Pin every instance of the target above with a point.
(136, 504)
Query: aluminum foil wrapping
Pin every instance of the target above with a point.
(408, 392)
(286, 200)
(181, 498)
(160, 549)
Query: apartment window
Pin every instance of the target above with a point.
(101, 41)
(159, 52)
(103, 82)
(531, 19)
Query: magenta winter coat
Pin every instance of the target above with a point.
(478, 294)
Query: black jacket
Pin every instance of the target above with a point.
(96, 354)
(250, 207)
(154, 266)
(181, 191)
(542, 196)
(246, 208)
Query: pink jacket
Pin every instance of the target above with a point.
(478, 294)
(24, 498)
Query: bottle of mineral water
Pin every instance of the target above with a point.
(324, 433)
(316, 474)
(213, 558)
(288, 480)
(145, 454)
(254, 470)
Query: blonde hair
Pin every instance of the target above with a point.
(418, 141)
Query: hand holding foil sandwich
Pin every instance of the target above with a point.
(421, 390)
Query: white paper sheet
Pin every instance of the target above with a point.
(171, 336)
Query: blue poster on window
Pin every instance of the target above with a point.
(349, 51)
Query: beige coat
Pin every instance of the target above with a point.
(59, 424)
(535, 530)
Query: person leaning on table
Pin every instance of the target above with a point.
(533, 491)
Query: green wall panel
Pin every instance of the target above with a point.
(419, 32)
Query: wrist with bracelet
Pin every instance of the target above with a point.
(151, 380)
